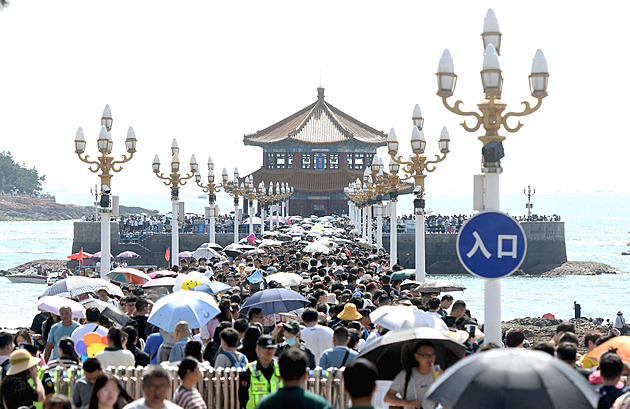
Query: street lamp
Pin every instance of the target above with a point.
(250, 194)
(263, 197)
(105, 164)
(529, 192)
(414, 168)
(210, 189)
(492, 118)
(235, 190)
(175, 180)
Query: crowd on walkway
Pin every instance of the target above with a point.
(345, 287)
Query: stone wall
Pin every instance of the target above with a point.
(545, 246)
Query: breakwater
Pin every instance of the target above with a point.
(545, 241)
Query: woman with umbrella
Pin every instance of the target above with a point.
(291, 333)
(412, 383)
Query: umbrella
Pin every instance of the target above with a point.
(212, 287)
(98, 255)
(255, 220)
(405, 274)
(275, 219)
(439, 286)
(80, 255)
(274, 301)
(394, 351)
(194, 307)
(400, 316)
(128, 254)
(186, 254)
(316, 247)
(285, 279)
(274, 319)
(160, 282)
(52, 303)
(512, 378)
(621, 343)
(409, 284)
(213, 246)
(162, 273)
(107, 310)
(128, 275)
(205, 252)
(365, 244)
(76, 285)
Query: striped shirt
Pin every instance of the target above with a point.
(189, 398)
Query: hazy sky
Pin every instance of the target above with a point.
(208, 72)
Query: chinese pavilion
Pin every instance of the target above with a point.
(318, 151)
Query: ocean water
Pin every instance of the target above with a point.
(597, 229)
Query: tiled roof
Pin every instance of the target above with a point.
(319, 122)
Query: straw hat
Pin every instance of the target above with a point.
(349, 313)
(21, 360)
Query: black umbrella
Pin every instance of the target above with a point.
(394, 351)
(107, 310)
(512, 378)
(274, 301)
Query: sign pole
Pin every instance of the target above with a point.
(492, 288)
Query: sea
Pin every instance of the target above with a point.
(597, 228)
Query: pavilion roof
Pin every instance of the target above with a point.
(318, 123)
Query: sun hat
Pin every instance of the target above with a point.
(21, 360)
(331, 299)
(349, 313)
(104, 288)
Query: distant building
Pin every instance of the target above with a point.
(318, 151)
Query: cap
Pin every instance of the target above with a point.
(266, 341)
(292, 325)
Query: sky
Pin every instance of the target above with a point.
(208, 72)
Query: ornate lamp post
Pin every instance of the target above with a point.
(380, 187)
(414, 168)
(105, 164)
(492, 118)
(529, 192)
(235, 190)
(262, 197)
(175, 180)
(393, 186)
(210, 189)
(250, 195)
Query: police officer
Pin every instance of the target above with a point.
(260, 377)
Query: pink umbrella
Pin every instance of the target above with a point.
(251, 239)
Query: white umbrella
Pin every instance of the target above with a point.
(286, 279)
(53, 303)
(316, 247)
(77, 285)
(194, 307)
(205, 252)
(440, 285)
(395, 317)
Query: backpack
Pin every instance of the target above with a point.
(240, 364)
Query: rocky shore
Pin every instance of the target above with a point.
(22, 208)
(52, 265)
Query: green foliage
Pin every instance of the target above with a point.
(15, 176)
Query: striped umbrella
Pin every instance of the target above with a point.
(76, 285)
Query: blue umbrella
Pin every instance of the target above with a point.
(194, 307)
(275, 300)
(212, 287)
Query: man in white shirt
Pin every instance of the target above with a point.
(92, 316)
(316, 337)
(156, 383)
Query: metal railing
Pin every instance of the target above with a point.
(218, 386)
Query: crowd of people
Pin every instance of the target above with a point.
(343, 287)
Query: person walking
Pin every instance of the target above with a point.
(412, 383)
(15, 390)
(61, 329)
(186, 395)
(620, 323)
(114, 354)
(340, 355)
(182, 336)
(108, 393)
(293, 365)
(317, 338)
(360, 382)
(82, 389)
(156, 382)
(260, 377)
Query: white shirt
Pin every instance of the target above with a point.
(317, 339)
(77, 334)
(121, 357)
(139, 404)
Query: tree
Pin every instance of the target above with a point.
(16, 176)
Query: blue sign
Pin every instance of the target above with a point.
(491, 245)
(320, 162)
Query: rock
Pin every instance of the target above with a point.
(48, 265)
